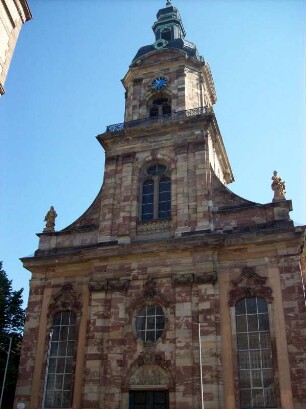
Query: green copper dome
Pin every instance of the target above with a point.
(169, 33)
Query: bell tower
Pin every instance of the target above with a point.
(168, 27)
(170, 124)
(168, 75)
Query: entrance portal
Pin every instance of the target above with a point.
(149, 400)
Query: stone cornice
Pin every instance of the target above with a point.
(210, 82)
(253, 205)
(23, 10)
(107, 139)
(174, 55)
(209, 241)
(221, 151)
(190, 278)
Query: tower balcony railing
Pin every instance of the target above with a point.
(160, 118)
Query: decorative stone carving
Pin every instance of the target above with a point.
(189, 279)
(206, 278)
(199, 146)
(66, 299)
(248, 285)
(248, 277)
(150, 368)
(149, 375)
(149, 295)
(97, 286)
(278, 187)
(249, 292)
(181, 149)
(153, 226)
(128, 157)
(149, 289)
(118, 285)
(137, 81)
(182, 279)
(50, 220)
(111, 160)
(150, 357)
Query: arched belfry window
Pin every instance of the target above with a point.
(156, 193)
(166, 34)
(160, 106)
(61, 361)
(256, 380)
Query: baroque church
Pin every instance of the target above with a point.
(170, 291)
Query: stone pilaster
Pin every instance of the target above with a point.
(93, 365)
(33, 345)
(126, 199)
(182, 190)
(294, 316)
(183, 353)
(107, 202)
(114, 344)
(202, 184)
(209, 321)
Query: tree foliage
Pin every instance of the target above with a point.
(12, 317)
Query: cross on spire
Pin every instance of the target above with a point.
(168, 3)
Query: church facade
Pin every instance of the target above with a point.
(170, 291)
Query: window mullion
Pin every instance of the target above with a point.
(156, 197)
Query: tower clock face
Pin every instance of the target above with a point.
(159, 83)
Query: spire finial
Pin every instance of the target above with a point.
(168, 3)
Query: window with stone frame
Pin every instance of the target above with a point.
(150, 322)
(159, 107)
(255, 361)
(156, 193)
(61, 361)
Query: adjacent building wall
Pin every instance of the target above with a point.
(13, 13)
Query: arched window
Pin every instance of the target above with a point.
(154, 111)
(166, 108)
(148, 200)
(160, 106)
(256, 381)
(61, 361)
(164, 202)
(156, 193)
(166, 34)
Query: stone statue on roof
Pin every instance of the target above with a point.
(50, 220)
(279, 188)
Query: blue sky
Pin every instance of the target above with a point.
(64, 88)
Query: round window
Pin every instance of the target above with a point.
(150, 323)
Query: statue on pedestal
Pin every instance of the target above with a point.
(50, 220)
(279, 188)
